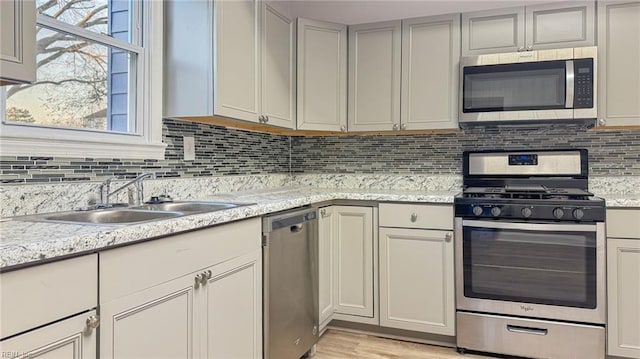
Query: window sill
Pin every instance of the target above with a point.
(25, 146)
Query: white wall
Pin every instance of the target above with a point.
(362, 11)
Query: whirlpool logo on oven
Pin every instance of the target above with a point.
(526, 308)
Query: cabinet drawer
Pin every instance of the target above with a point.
(42, 294)
(129, 269)
(623, 223)
(427, 216)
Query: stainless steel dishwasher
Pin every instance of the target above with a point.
(290, 282)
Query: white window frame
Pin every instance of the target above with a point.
(145, 143)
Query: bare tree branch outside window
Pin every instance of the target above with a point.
(71, 88)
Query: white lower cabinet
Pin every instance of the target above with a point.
(417, 280)
(417, 268)
(347, 269)
(194, 295)
(623, 278)
(48, 311)
(66, 339)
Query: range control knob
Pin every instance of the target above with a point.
(495, 211)
(578, 213)
(526, 212)
(558, 213)
(477, 210)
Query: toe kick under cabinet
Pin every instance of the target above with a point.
(192, 295)
(416, 267)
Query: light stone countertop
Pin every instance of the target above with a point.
(25, 243)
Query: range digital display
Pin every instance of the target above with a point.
(523, 160)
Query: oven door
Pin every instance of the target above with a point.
(541, 270)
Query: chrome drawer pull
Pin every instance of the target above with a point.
(525, 330)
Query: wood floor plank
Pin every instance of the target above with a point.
(335, 344)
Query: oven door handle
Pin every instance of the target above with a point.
(539, 227)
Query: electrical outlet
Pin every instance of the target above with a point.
(189, 148)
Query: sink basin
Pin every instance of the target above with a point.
(131, 215)
(189, 207)
(109, 216)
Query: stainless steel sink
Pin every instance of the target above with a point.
(109, 216)
(189, 207)
(132, 215)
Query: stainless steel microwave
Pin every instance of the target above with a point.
(540, 85)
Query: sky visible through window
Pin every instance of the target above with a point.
(80, 84)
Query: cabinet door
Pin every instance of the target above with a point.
(322, 76)
(417, 280)
(560, 25)
(159, 322)
(17, 41)
(492, 31)
(623, 278)
(430, 78)
(237, 49)
(353, 257)
(278, 68)
(232, 309)
(326, 244)
(68, 339)
(619, 62)
(374, 76)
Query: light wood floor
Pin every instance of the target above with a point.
(336, 344)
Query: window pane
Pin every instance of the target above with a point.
(112, 17)
(80, 84)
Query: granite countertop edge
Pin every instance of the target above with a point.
(30, 243)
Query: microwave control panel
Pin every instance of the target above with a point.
(583, 83)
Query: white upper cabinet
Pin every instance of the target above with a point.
(240, 65)
(493, 31)
(619, 63)
(430, 78)
(322, 76)
(556, 25)
(374, 76)
(539, 27)
(278, 68)
(237, 54)
(17, 41)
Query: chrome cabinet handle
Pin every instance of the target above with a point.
(266, 119)
(414, 217)
(520, 49)
(323, 212)
(602, 122)
(530, 47)
(92, 322)
(403, 126)
(343, 129)
(198, 280)
(395, 127)
(207, 275)
(448, 237)
(261, 119)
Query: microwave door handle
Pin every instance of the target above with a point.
(568, 101)
(537, 227)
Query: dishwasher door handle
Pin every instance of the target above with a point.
(296, 228)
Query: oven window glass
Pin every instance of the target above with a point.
(555, 268)
(513, 87)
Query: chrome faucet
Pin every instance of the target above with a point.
(106, 193)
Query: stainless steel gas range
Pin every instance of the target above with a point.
(530, 256)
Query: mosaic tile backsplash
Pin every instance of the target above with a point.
(221, 151)
(610, 152)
